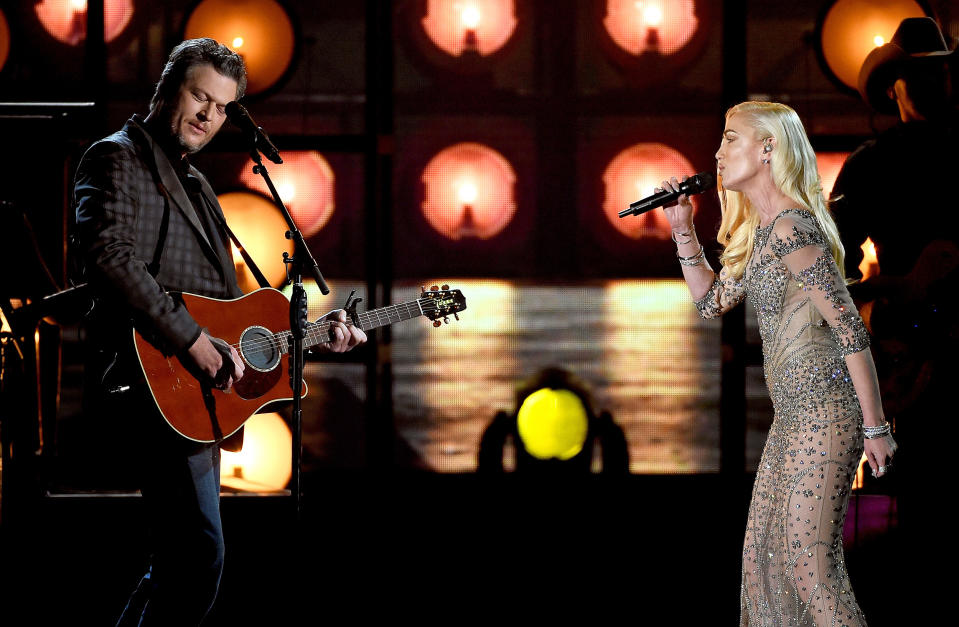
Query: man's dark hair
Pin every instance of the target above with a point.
(193, 53)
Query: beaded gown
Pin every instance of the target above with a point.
(793, 568)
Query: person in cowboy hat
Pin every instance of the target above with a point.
(911, 75)
(898, 189)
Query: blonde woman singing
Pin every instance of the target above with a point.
(782, 250)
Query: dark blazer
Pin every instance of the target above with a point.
(128, 197)
(139, 237)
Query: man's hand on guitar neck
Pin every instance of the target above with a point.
(210, 360)
(345, 335)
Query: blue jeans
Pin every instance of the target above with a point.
(180, 482)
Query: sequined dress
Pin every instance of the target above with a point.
(793, 568)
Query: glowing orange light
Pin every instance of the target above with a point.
(468, 191)
(857, 482)
(4, 39)
(305, 183)
(829, 163)
(633, 174)
(652, 14)
(266, 461)
(260, 31)
(481, 26)
(470, 16)
(659, 26)
(869, 267)
(852, 28)
(66, 20)
(261, 228)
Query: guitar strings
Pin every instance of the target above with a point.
(320, 329)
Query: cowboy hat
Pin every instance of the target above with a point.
(916, 39)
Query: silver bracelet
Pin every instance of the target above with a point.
(689, 235)
(695, 260)
(876, 432)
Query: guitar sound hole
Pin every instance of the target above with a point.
(259, 349)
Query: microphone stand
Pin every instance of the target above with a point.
(295, 265)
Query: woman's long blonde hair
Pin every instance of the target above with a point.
(794, 172)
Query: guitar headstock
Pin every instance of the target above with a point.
(441, 303)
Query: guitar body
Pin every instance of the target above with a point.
(257, 325)
(198, 411)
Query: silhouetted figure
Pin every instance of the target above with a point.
(554, 430)
(899, 190)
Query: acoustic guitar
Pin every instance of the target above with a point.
(257, 325)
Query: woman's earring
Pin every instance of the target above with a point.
(767, 148)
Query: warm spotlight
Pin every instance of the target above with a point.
(651, 26)
(66, 20)
(468, 191)
(265, 463)
(261, 228)
(634, 174)
(829, 163)
(260, 31)
(849, 30)
(305, 182)
(869, 266)
(480, 26)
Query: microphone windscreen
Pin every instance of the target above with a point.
(701, 182)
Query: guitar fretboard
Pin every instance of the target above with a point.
(319, 332)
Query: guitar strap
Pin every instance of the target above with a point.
(154, 266)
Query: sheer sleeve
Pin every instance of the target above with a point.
(725, 293)
(801, 246)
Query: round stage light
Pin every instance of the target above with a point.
(468, 191)
(552, 424)
(634, 174)
(651, 26)
(848, 30)
(305, 183)
(261, 228)
(66, 20)
(260, 31)
(478, 26)
(266, 461)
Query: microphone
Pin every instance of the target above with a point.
(695, 184)
(241, 118)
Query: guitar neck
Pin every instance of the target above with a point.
(319, 332)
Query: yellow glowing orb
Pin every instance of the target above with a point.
(552, 424)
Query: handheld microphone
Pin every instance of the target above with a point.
(695, 184)
(241, 118)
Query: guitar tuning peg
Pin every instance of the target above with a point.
(457, 316)
(437, 323)
(446, 319)
(434, 289)
(445, 287)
